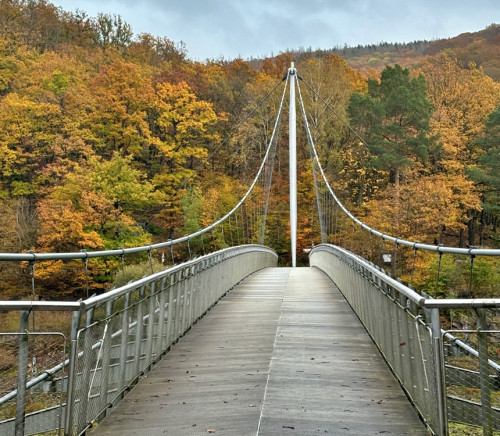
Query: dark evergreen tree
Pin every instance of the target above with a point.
(487, 171)
(394, 116)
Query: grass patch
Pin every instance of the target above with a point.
(466, 430)
(473, 394)
(34, 402)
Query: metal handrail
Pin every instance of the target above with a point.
(182, 286)
(115, 293)
(428, 303)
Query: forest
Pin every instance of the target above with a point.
(110, 139)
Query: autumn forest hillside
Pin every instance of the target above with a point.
(110, 139)
(482, 48)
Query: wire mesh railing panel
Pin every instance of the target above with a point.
(116, 338)
(143, 322)
(8, 378)
(31, 357)
(87, 357)
(401, 336)
(472, 379)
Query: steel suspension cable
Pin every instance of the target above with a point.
(268, 183)
(401, 241)
(344, 122)
(318, 199)
(310, 141)
(250, 189)
(33, 257)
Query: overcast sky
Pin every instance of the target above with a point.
(256, 28)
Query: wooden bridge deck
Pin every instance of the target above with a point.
(281, 354)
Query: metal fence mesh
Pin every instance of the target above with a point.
(410, 339)
(472, 377)
(114, 350)
(45, 351)
(395, 326)
(115, 339)
(401, 336)
(9, 344)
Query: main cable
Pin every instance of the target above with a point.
(269, 182)
(324, 236)
(33, 257)
(397, 241)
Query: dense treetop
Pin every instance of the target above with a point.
(100, 129)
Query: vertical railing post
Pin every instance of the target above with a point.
(185, 300)
(150, 327)
(161, 317)
(170, 310)
(106, 356)
(22, 374)
(196, 289)
(293, 166)
(177, 319)
(70, 395)
(192, 292)
(87, 369)
(138, 332)
(124, 343)
(484, 373)
(437, 347)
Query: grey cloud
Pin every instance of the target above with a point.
(211, 28)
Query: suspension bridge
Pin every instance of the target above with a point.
(228, 343)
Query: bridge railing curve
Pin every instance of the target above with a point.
(117, 337)
(406, 327)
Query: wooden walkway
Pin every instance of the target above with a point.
(281, 354)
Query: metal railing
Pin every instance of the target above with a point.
(451, 381)
(117, 337)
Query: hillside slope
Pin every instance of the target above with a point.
(482, 48)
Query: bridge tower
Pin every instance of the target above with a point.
(292, 73)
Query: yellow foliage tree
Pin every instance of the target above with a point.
(184, 129)
(463, 96)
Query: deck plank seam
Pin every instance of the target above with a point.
(271, 359)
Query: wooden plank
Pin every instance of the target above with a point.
(215, 377)
(282, 353)
(326, 375)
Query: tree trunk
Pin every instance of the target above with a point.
(361, 186)
(394, 261)
(397, 176)
(471, 227)
(481, 228)
(441, 233)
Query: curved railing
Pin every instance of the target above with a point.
(426, 359)
(118, 336)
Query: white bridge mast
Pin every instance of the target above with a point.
(292, 72)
